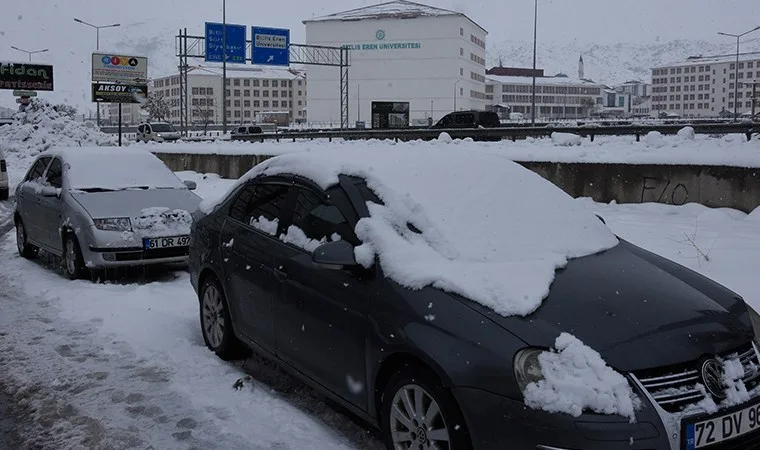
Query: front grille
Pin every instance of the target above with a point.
(677, 388)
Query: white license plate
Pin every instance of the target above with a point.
(166, 242)
(712, 431)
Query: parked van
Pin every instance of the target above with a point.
(469, 119)
(157, 132)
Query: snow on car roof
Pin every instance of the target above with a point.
(491, 230)
(114, 168)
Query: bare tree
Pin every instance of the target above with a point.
(66, 110)
(157, 106)
(204, 110)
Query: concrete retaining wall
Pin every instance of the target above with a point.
(713, 186)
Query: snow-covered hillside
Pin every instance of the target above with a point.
(608, 63)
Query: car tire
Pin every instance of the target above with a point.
(25, 249)
(216, 322)
(407, 399)
(73, 263)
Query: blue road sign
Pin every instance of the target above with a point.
(271, 46)
(215, 43)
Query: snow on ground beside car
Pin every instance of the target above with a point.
(42, 128)
(729, 150)
(481, 236)
(577, 379)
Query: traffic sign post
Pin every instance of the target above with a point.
(271, 46)
(215, 39)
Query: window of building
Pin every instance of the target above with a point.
(246, 113)
(229, 103)
(275, 93)
(209, 91)
(247, 93)
(731, 76)
(237, 113)
(255, 92)
(255, 83)
(256, 103)
(247, 103)
(237, 103)
(265, 83)
(741, 65)
(237, 92)
(732, 67)
(195, 91)
(299, 93)
(285, 94)
(228, 92)
(275, 103)
(266, 103)
(299, 82)
(266, 93)
(236, 82)
(246, 82)
(209, 102)
(461, 31)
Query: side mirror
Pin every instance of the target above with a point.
(49, 191)
(190, 184)
(335, 255)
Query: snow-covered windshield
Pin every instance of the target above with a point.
(471, 223)
(162, 127)
(102, 169)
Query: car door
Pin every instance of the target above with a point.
(248, 243)
(50, 208)
(321, 314)
(27, 200)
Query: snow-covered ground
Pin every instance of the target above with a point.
(123, 364)
(729, 150)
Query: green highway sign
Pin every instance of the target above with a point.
(24, 93)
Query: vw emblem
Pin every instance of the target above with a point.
(380, 35)
(712, 375)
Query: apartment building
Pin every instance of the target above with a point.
(253, 95)
(705, 86)
(557, 97)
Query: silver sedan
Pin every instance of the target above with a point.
(103, 207)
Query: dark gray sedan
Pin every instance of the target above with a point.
(434, 369)
(103, 207)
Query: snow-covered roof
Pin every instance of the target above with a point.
(701, 61)
(396, 9)
(543, 81)
(457, 219)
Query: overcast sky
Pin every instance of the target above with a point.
(38, 24)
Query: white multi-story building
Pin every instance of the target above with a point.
(253, 95)
(635, 88)
(704, 86)
(131, 114)
(556, 97)
(404, 56)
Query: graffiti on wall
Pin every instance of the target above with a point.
(663, 190)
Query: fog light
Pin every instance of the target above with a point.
(109, 256)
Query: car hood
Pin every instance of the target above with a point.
(134, 203)
(637, 309)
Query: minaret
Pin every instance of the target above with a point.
(580, 68)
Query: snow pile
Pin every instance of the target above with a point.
(40, 128)
(655, 139)
(576, 378)
(162, 221)
(733, 374)
(754, 215)
(297, 237)
(686, 133)
(263, 224)
(458, 219)
(565, 139)
(444, 137)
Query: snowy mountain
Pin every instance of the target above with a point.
(610, 63)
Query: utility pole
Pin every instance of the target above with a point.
(533, 95)
(224, 66)
(97, 45)
(736, 68)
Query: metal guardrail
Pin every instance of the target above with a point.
(501, 133)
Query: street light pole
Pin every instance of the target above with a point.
(224, 66)
(97, 46)
(533, 94)
(736, 68)
(30, 53)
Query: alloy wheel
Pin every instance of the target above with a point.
(71, 256)
(416, 421)
(213, 316)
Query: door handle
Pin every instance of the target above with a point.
(280, 274)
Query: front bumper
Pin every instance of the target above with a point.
(497, 422)
(132, 256)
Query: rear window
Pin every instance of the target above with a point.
(490, 119)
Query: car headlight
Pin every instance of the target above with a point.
(116, 224)
(527, 367)
(754, 318)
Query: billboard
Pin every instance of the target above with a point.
(215, 39)
(119, 93)
(271, 46)
(36, 77)
(111, 68)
